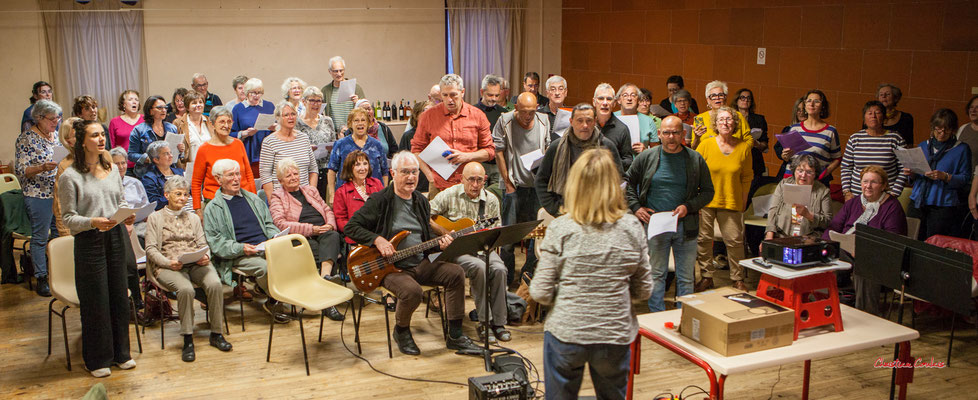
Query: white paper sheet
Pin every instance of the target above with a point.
(797, 194)
(143, 212)
(261, 246)
(532, 159)
(60, 152)
(914, 159)
(124, 212)
(264, 121)
(173, 139)
(762, 204)
(433, 156)
(193, 256)
(322, 150)
(846, 242)
(347, 88)
(756, 133)
(631, 121)
(562, 120)
(662, 222)
(141, 260)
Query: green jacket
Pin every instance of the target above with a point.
(15, 218)
(219, 231)
(328, 93)
(699, 187)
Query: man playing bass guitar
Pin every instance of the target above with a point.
(400, 208)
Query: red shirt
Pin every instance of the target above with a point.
(467, 132)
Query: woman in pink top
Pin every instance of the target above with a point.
(120, 127)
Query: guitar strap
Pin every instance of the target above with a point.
(482, 207)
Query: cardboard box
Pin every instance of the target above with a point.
(733, 322)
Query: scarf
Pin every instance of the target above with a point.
(568, 149)
(870, 209)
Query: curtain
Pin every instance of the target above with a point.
(486, 38)
(100, 53)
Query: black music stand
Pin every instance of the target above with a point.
(931, 273)
(485, 241)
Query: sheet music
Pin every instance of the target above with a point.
(662, 222)
(173, 139)
(60, 152)
(631, 121)
(144, 212)
(914, 159)
(794, 141)
(562, 120)
(261, 246)
(434, 156)
(797, 194)
(347, 88)
(193, 256)
(264, 121)
(532, 159)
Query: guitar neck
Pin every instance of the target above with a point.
(421, 247)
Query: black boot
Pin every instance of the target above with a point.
(42, 287)
(188, 348)
(218, 341)
(405, 342)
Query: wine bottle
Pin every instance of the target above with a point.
(378, 112)
(387, 111)
(407, 110)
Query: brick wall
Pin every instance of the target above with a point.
(846, 48)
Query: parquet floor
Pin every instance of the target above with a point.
(27, 372)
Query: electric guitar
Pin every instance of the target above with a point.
(367, 267)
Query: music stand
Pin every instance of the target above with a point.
(485, 241)
(929, 272)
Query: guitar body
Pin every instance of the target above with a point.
(446, 223)
(368, 268)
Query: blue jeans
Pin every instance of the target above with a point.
(42, 223)
(684, 254)
(519, 206)
(563, 368)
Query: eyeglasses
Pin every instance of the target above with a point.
(940, 129)
(629, 95)
(748, 98)
(475, 179)
(715, 96)
(159, 107)
(973, 108)
(315, 101)
(724, 120)
(682, 100)
(813, 101)
(800, 171)
(197, 85)
(55, 118)
(412, 171)
(671, 133)
(256, 92)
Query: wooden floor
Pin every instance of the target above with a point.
(27, 372)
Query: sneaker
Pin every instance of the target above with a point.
(127, 365)
(100, 373)
(42, 288)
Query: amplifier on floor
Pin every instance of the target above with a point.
(504, 386)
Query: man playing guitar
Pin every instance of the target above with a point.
(400, 208)
(470, 200)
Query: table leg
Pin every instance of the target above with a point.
(804, 383)
(716, 386)
(904, 375)
(718, 392)
(634, 362)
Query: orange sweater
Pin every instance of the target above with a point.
(207, 155)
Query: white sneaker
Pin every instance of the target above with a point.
(101, 372)
(127, 365)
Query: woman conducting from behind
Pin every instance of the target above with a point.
(594, 264)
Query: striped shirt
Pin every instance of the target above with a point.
(863, 150)
(274, 149)
(339, 110)
(825, 144)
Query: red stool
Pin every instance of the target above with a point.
(815, 299)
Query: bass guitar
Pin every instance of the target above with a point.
(367, 267)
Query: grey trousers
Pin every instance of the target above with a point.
(255, 266)
(475, 270)
(182, 282)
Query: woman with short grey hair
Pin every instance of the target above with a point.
(35, 167)
(318, 127)
(286, 142)
(300, 209)
(161, 169)
(292, 90)
(170, 233)
(786, 220)
(897, 121)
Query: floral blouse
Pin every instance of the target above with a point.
(322, 133)
(31, 149)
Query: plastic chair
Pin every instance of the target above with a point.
(8, 182)
(61, 278)
(904, 198)
(292, 278)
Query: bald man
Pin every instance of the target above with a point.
(672, 179)
(434, 95)
(521, 131)
(471, 200)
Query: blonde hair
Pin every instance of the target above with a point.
(67, 130)
(593, 194)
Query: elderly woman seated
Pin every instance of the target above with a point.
(170, 233)
(302, 210)
(877, 209)
(159, 171)
(798, 219)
